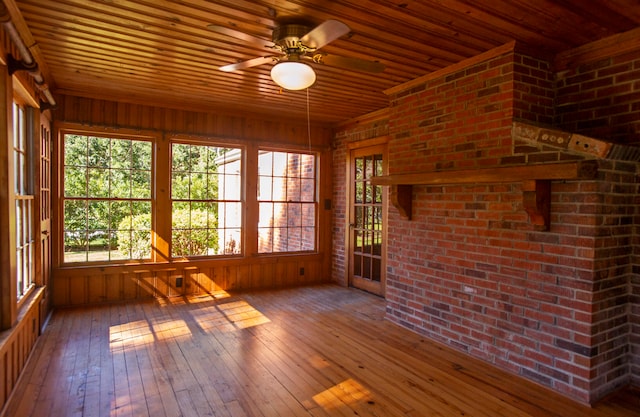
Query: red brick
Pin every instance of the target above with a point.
(534, 287)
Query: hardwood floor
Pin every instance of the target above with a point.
(313, 351)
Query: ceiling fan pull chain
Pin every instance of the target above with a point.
(308, 120)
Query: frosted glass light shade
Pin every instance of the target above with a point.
(293, 75)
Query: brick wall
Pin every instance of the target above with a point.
(339, 220)
(601, 98)
(635, 312)
(470, 270)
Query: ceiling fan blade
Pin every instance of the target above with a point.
(248, 64)
(324, 33)
(348, 63)
(249, 39)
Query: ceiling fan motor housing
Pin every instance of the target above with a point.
(288, 37)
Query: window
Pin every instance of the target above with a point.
(24, 200)
(107, 198)
(206, 208)
(287, 202)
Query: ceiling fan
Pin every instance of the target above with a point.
(294, 45)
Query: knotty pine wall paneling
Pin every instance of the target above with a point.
(113, 283)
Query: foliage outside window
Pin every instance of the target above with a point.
(107, 198)
(24, 200)
(287, 202)
(206, 210)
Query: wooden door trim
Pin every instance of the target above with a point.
(381, 140)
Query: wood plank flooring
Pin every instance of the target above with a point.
(314, 351)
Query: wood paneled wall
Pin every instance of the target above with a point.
(98, 284)
(112, 284)
(16, 345)
(21, 323)
(112, 114)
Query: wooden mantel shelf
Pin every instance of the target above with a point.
(536, 183)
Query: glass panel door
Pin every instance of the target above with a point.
(366, 244)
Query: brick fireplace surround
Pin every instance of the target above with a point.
(469, 269)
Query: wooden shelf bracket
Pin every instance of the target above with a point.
(535, 179)
(401, 196)
(536, 199)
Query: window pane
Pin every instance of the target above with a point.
(368, 189)
(141, 155)
(121, 155)
(379, 167)
(266, 215)
(213, 193)
(121, 183)
(359, 190)
(280, 239)
(180, 158)
(293, 165)
(232, 241)
(308, 215)
(98, 215)
(75, 150)
(232, 187)
(203, 183)
(286, 189)
(279, 214)
(265, 240)
(141, 184)
(179, 185)
(198, 186)
(114, 252)
(232, 215)
(75, 215)
(107, 206)
(99, 152)
(75, 248)
(119, 215)
(279, 187)
(294, 215)
(98, 183)
(264, 189)
(294, 238)
(293, 189)
(265, 163)
(308, 190)
(20, 226)
(308, 238)
(308, 168)
(359, 167)
(279, 163)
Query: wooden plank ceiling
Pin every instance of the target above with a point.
(164, 52)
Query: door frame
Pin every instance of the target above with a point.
(380, 142)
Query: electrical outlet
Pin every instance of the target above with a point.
(178, 282)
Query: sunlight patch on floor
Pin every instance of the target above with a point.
(345, 394)
(137, 333)
(171, 329)
(131, 333)
(242, 314)
(216, 295)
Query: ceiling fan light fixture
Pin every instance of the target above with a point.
(293, 75)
